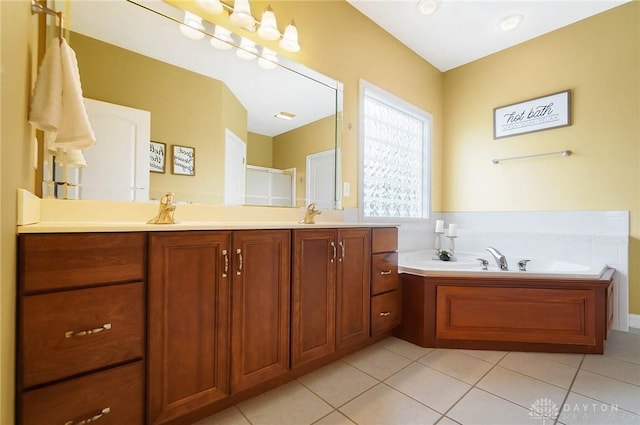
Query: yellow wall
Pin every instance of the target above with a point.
(193, 113)
(598, 59)
(259, 150)
(290, 149)
(18, 35)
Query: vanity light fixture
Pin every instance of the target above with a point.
(247, 50)
(285, 115)
(192, 26)
(427, 7)
(267, 29)
(511, 22)
(221, 38)
(268, 60)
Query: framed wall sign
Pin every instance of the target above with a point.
(184, 160)
(537, 114)
(157, 151)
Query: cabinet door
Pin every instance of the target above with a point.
(260, 306)
(188, 364)
(313, 295)
(353, 286)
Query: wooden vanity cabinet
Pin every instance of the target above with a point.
(330, 291)
(260, 306)
(219, 316)
(385, 281)
(81, 329)
(188, 356)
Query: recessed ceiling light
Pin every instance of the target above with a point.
(510, 22)
(285, 115)
(427, 7)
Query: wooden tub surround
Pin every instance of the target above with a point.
(507, 313)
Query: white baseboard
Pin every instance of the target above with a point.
(634, 321)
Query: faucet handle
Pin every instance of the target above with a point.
(484, 263)
(522, 265)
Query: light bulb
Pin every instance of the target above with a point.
(221, 39)
(212, 6)
(192, 26)
(268, 59)
(241, 15)
(427, 7)
(289, 40)
(268, 27)
(510, 22)
(247, 50)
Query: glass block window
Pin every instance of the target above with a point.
(395, 157)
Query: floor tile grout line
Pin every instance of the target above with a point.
(566, 397)
(494, 364)
(472, 386)
(611, 377)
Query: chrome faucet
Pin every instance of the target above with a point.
(310, 213)
(501, 260)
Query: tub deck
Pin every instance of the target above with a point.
(507, 312)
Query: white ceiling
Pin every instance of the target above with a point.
(461, 31)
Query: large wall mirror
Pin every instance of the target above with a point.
(209, 108)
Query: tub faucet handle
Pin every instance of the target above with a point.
(522, 265)
(484, 263)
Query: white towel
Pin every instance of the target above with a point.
(47, 93)
(57, 105)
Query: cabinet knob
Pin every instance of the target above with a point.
(91, 419)
(385, 313)
(70, 334)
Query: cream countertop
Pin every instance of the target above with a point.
(37, 215)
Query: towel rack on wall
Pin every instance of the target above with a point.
(536, 155)
(36, 7)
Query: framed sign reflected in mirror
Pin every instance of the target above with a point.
(157, 155)
(184, 160)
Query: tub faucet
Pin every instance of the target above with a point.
(501, 260)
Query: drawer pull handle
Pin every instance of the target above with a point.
(103, 412)
(239, 252)
(333, 245)
(385, 313)
(225, 254)
(385, 272)
(70, 334)
(341, 251)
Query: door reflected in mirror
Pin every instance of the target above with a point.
(212, 101)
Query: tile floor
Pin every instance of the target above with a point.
(395, 382)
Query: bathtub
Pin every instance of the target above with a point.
(464, 263)
(554, 306)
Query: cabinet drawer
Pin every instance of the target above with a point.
(384, 272)
(384, 239)
(59, 261)
(116, 393)
(52, 341)
(385, 312)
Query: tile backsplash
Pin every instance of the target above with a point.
(585, 237)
